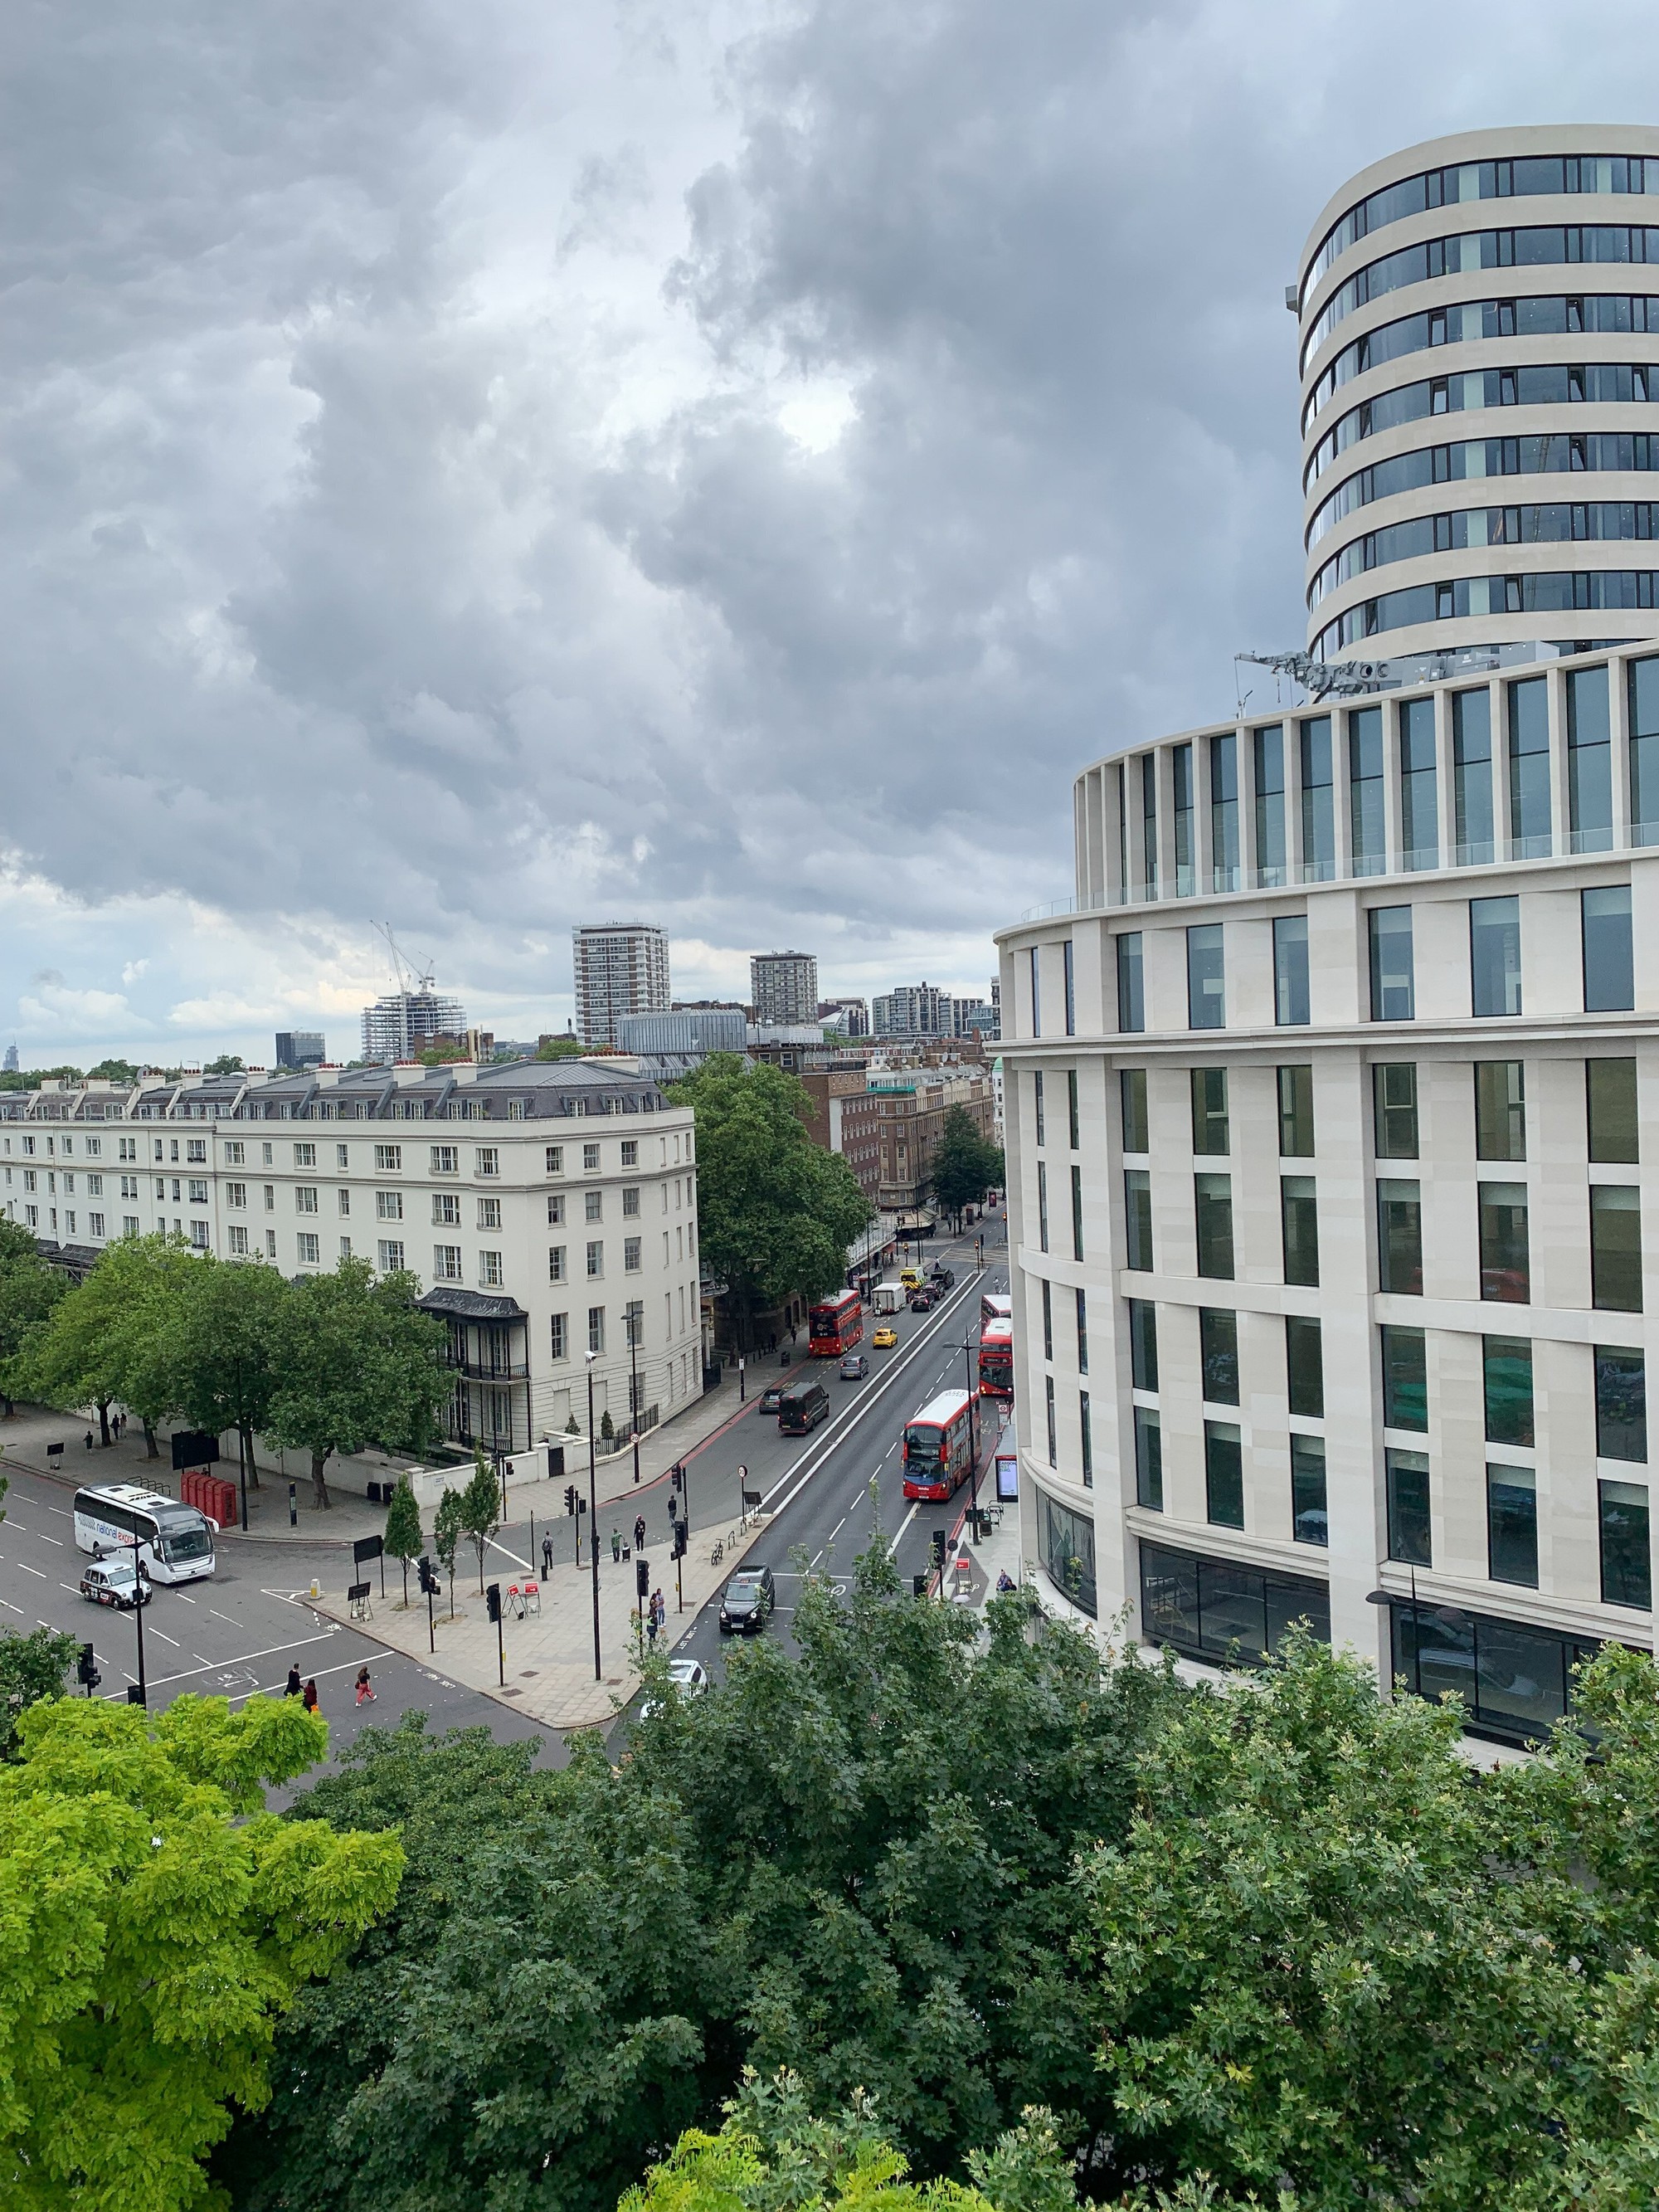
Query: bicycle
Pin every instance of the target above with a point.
(717, 1554)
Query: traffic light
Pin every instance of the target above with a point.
(428, 1577)
(642, 1576)
(570, 1499)
(86, 1672)
(918, 1585)
(681, 1540)
(938, 1547)
(493, 1601)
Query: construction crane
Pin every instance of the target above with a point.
(404, 971)
(1324, 679)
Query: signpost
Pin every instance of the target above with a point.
(370, 1547)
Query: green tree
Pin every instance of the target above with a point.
(73, 1358)
(30, 1289)
(357, 1364)
(121, 1071)
(158, 1922)
(441, 1056)
(228, 1063)
(559, 1048)
(480, 1507)
(138, 1286)
(32, 1667)
(448, 1528)
(776, 1213)
(403, 1528)
(225, 1341)
(965, 1164)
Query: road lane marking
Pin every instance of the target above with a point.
(374, 1658)
(11, 1608)
(61, 1512)
(165, 1637)
(225, 1617)
(244, 1658)
(45, 1539)
(183, 1599)
(29, 1569)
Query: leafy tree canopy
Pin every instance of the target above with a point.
(157, 1922)
(559, 1048)
(32, 1667)
(224, 1338)
(403, 1539)
(776, 1213)
(228, 1063)
(965, 1164)
(114, 1070)
(30, 1289)
(357, 1364)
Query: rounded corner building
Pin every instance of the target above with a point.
(1331, 1100)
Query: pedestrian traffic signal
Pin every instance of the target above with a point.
(937, 1546)
(642, 1576)
(428, 1577)
(681, 1540)
(86, 1671)
(493, 1600)
(570, 1498)
(918, 1585)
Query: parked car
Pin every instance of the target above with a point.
(884, 1339)
(771, 1397)
(853, 1367)
(689, 1676)
(114, 1581)
(748, 1602)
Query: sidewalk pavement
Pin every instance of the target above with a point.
(548, 1653)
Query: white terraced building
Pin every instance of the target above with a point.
(548, 1210)
(1331, 1098)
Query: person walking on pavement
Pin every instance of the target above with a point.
(639, 1532)
(660, 1609)
(650, 1628)
(547, 1558)
(615, 1543)
(308, 1697)
(365, 1690)
(292, 1687)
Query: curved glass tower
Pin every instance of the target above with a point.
(1478, 356)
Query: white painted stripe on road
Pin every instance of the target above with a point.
(29, 1569)
(165, 1637)
(374, 1659)
(45, 1539)
(246, 1658)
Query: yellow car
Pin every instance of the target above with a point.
(884, 1339)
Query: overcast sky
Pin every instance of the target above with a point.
(490, 466)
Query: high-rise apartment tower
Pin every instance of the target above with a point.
(784, 987)
(621, 968)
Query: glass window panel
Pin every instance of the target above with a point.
(1621, 1403)
(1068, 969)
(1137, 1219)
(1269, 749)
(1169, 1596)
(1309, 1521)
(1180, 779)
(1299, 1221)
(1500, 1113)
(1616, 1248)
(1223, 1474)
(1409, 1534)
(1048, 1320)
(1420, 831)
(1291, 1002)
(1036, 1108)
(1505, 1267)
(1066, 1544)
(1529, 768)
(1366, 789)
(1077, 1213)
(1073, 1117)
(1043, 1205)
(1209, 1086)
(1143, 1344)
(1495, 956)
(1217, 1355)
(1149, 1459)
(1213, 1200)
(1149, 822)
(1318, 814)
(1131, 996)
(1394, 1092)
(1512, 1525)
(1472, 791)
(1394, 997)
(1131, 1091)
(1506, 1372)
(1626, 1558)
(1290, 1599)
(1520, 1676)
(1609, 953)
(1082, 1299)
(1589, 761)
(1206, 998)
(1086, 1438)
(1405, 1379)
(1232, 1613)
(1645, 752)
(1053, 1439)
(1036, 991)
(1400, 1236)
(1434, 1651)
(1224, 814)
(1296, 1117)
(1304, 1367)
(1610, 1100)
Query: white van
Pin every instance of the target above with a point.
(888, 1297)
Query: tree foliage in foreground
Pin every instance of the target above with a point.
(155, 1921)
(32, 1667)
(965, 1164)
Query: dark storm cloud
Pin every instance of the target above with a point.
(493, 468)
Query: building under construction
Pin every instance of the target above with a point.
(402, 1023)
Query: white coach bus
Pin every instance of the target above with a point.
(174, 1542)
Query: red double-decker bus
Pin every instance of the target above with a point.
(940, 1444)
(835, 1326)
(996, 1359)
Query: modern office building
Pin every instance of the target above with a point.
(1479, 346)
(301, 1048)
(784, 987)
(690, 1031)
(851, 1016)
(912, 1009)
(621, 968)
(399, 1023)
(1329, 1105)
(550, 1211)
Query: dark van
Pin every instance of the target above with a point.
(803, 1408)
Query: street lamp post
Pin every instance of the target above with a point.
(634, 1390)
(138, 1612)
(593, 1518)
(972, 1508)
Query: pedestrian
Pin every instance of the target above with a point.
(89, 1439)
(658, 1607)
(547, 1558)
(639, 1532)
(292, 1689)
(308, 1697)
(651, 1626)
(615, 1543)
(365, 1691)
